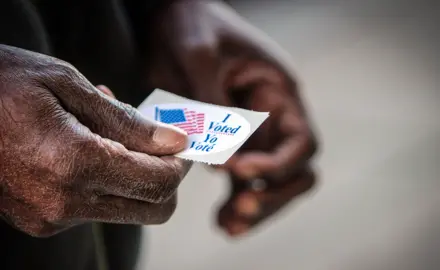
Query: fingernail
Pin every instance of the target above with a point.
(105, 90)
(247, 205)
(170, 137)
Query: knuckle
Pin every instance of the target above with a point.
(57, 74)
(75, 168)
(65, 67)
(129, 113)
(123, 117)
(63, 70)
(165, 186)
(92, 161)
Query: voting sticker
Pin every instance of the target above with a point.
(214, 132)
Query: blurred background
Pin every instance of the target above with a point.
(371, 77)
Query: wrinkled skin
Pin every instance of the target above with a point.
(204, 50)
(62, 161)
(70, 154)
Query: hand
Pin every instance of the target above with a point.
(70, 154)
(217, 57)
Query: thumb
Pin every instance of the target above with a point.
(118, 121)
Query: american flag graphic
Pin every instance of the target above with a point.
(191, 122)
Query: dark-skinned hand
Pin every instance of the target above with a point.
(71, 154)
(205, 51)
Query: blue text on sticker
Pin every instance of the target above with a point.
(207, 145)
(218, 128)
(222, 127)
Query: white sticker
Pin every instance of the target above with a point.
(214, 132)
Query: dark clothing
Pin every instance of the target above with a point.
(80, 248)
(107, 41)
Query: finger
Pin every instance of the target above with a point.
(248, 208)
(109, 168)
(297, 145)
(105, 90)
(280, 160)
(287, 157)
(126, 211)
(286, 125)
(114, 120)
